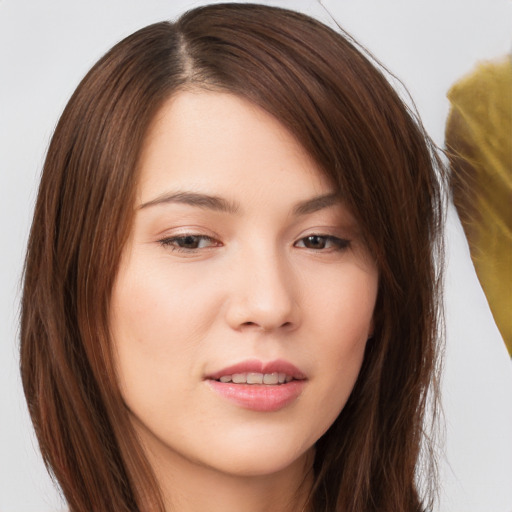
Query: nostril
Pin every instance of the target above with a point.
(248, 324)
(285, 325)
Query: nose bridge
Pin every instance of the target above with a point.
(263, 290)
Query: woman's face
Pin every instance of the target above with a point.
(243, 270)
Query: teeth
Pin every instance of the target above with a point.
(239, 378)
(257, 378)
(271, 378)
(254, 378)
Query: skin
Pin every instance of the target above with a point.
(244, 281)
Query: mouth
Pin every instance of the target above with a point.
(257, 386)
(252, 371)
(268, 379)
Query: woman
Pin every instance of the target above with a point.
(231, 297)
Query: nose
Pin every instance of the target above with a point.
(263, 294)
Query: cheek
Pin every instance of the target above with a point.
(342, 318)
(156, 307)
(341, 309)
(341, 363)
(158, 326)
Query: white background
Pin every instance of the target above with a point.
(46, 46)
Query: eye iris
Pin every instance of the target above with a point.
(314, 242)
(189, 242)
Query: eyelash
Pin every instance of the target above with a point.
(172, 242)
(338, 244)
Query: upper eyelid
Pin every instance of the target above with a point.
(182, 231)
(332, 231)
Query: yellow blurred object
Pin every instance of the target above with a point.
(479, 138)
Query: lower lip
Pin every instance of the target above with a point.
(259, 397)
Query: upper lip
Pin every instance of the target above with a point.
(256, 366)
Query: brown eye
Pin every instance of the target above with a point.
(315, 242)
(319, 242)
(188, 242)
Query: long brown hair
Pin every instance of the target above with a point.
(341, 108)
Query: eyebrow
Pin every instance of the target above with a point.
(317, 203)
(220, 204)
(194, 199)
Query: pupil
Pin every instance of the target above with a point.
(189, 241)
(315, 242)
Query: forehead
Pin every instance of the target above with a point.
(220, 143)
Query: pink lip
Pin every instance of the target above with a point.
(259, 397)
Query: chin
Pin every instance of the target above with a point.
(260, 462)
